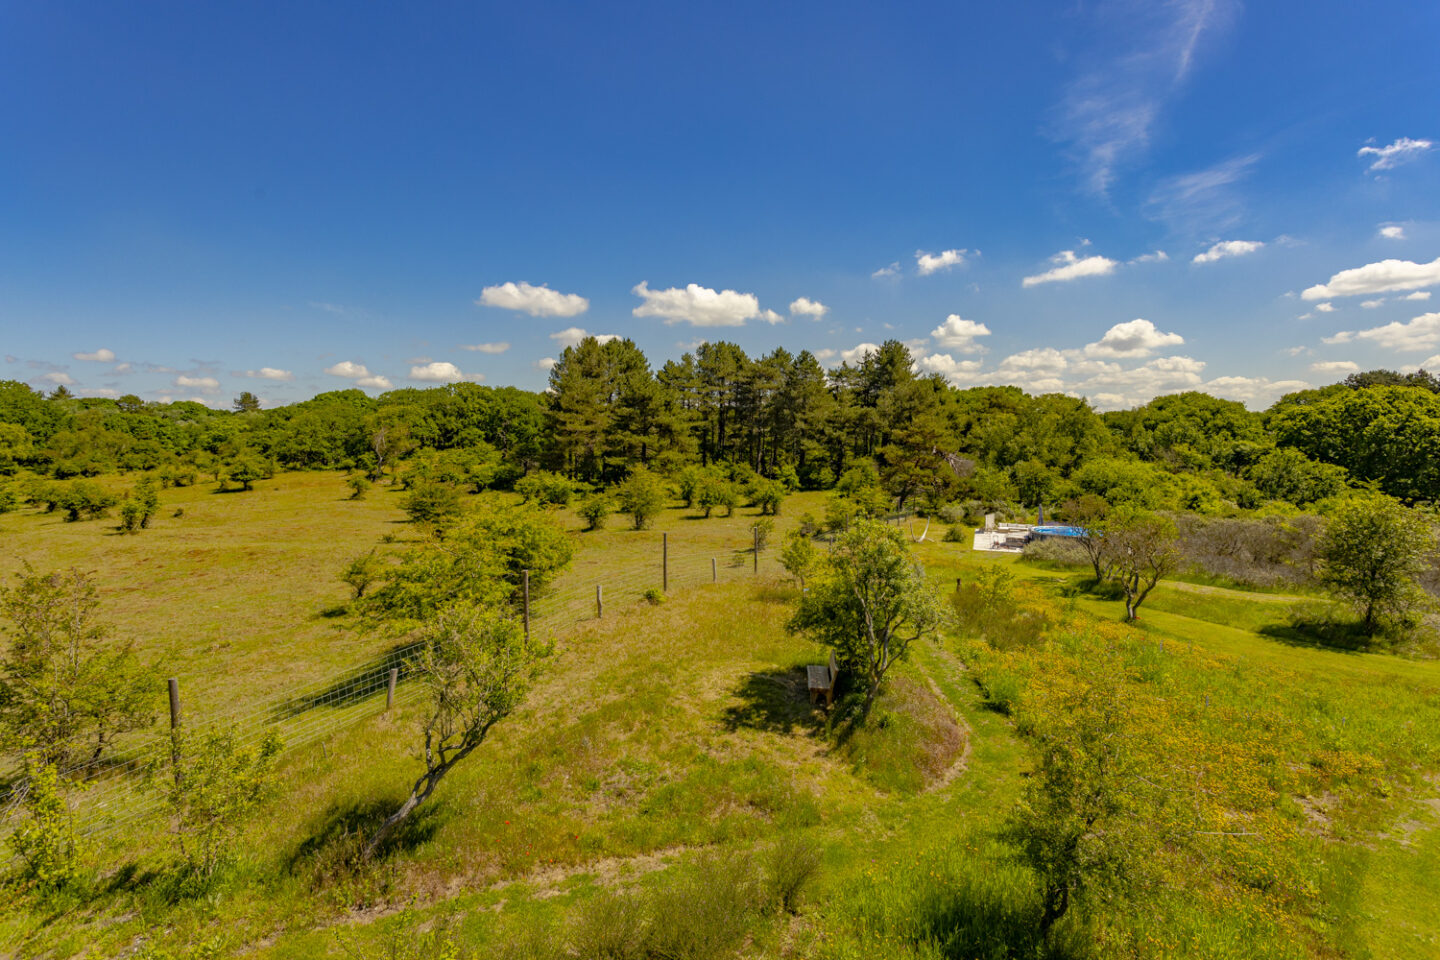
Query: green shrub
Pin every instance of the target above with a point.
(594, 509)
(45, 843)
(641, 497)
(430, 502)
(654, 596)
(359, 486)
(545, 488)
(768, 495)
(760, 532)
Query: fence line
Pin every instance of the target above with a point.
(112, 794)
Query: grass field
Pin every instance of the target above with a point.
(661, 738)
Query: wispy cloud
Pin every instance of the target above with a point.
(890, 270)
(485, 347)
(1389, 157)
(99, 356)
(1384, 276)
(1107, 113)
(1203, 201)
(571, 336)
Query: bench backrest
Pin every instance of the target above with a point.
(834, 669)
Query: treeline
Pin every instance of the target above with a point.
(781, 416)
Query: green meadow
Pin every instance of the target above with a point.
(668, 769)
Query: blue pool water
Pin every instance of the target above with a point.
(1060, 531)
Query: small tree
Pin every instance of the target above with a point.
(593, 510)
(244, 470)
(476, 668)
(641, 496)
(1080, 822)
(45, 841)
(247, 402)
(1371, 552)
(359, 485)
(799, 556)
(363, 571)
(66, 692)
(869, 601)
(211, 783)
(768, 495)
(1142, 548)
(1089, 513)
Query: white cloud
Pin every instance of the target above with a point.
(1393, 232)
(269, 373)
(99, 356)
(538, 301)
(59, 378)
(805, 307)
(696, 305)
(98, 392)
(121, 368)
(1046, 359)
(1326, 307)
(1133, 338)
(859, 352)
(546, 363)
(437, 371)
(203, 384)
(1159, 256)
(1228, 248)
(1335, 366)
(1383, 277)
(350, 370)
(485, 347)
(571, 336)
(1296, 351)
(824, 354)
(928, 263)
(1071, 267)
(1419, 333)
(893, 270)
(956, 371)
(1372, 304)
(770, 317)
(1432, 364)
(1418, 295)
(1252, 391)
(959, 334)
(1109, 109)
(1389, 157)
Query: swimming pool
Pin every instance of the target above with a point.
(1059, 531)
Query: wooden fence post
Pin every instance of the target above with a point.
(174, 704)
(525, 583)
(756, 532)
(714, 570)
(175, 728)
(599, 602)
(390, 688)
(665, 562)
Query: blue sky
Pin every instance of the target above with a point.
(199, 199)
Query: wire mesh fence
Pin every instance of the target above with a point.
(111, 789)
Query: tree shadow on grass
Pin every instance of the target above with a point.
(1323, 633)
(335, 847)
(355, 686)
(775, 701)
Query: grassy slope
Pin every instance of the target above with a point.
(659, 731)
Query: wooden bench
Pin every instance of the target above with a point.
(820, 678)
